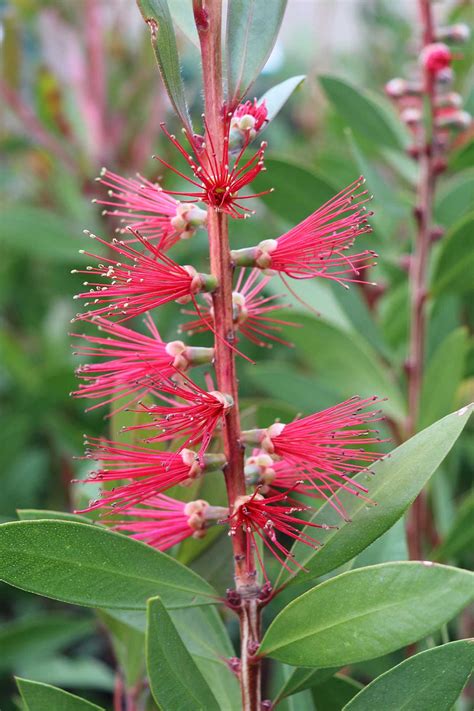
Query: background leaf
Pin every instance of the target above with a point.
(429, 681)
(39, 697)
(89, 565)
(455, 264)
(366, 613)
(276, 97)
(252, 29)
(175, 681)
(157, 15)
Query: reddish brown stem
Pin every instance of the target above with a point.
(418, 275)
(208, 16)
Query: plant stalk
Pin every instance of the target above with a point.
(418, 276)
(208, 17)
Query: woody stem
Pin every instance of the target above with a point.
(418, 272)
(208, 17)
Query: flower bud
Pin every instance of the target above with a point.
(460, 32)
(435, 57)
(453, 119)
(411, 116)
(398, 88)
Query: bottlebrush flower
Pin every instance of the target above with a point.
(148, 471)
(217, 180)
(317, 246)
(154, 213)
(163, 522)
(264, 518)
(251, 312)
(323, 449)
(129, 359)
(436, 57)
(247, 120)
(139, 281)
(196, 420)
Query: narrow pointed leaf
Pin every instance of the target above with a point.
(367, 613)
(157, 15)
(92, 566)
(37, 696)
(252, 29)
(303, 678)
(276, 97)
(361, 113)
(429, 681)
(455, 264)
(175, 681)
(394, 485)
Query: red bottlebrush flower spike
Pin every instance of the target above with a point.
(154, 213)
(139, 281)
(130, 360)
(216, 183)
(148, 471)
(321, 449)
(164, 521)
(264, 518)
(317, 246)
(196, 420)
(251, 312)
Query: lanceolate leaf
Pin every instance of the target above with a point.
(396, 482)
(360, 112)
(158, 18)
(252, 29)
(276, 97)
(429, 681)
(176, 682)
(303, 678)
(443, 376)
(367, 613)
(92, 566)
(39, 697)
(455, 264)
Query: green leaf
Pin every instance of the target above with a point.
(276, 97)
(392, 545)
(39, 233)
(343, 359)
(175, 681)
(157, 15)
(128, 645)
(361, 113)
(367, 613)
(92, 566)
(455, 199)
(460, 536)
(398, 480)
(39, 697)
(429, 681)
(303, 678)
(252, 29)
(183, 17)
(442, 377)
(41, 514)
(298, 191)
(333, 693)
(31, 638)
(455, 264)
(83, 672)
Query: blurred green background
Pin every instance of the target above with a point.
(80, 90)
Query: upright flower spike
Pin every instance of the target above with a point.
(128, 360)
(194, 419)
(251, 311)
(263, 518)
(148, 471)
(138, 281)
(217, 180)
(149, 210)
(324, 449)
(317, 247)
(163, 522)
